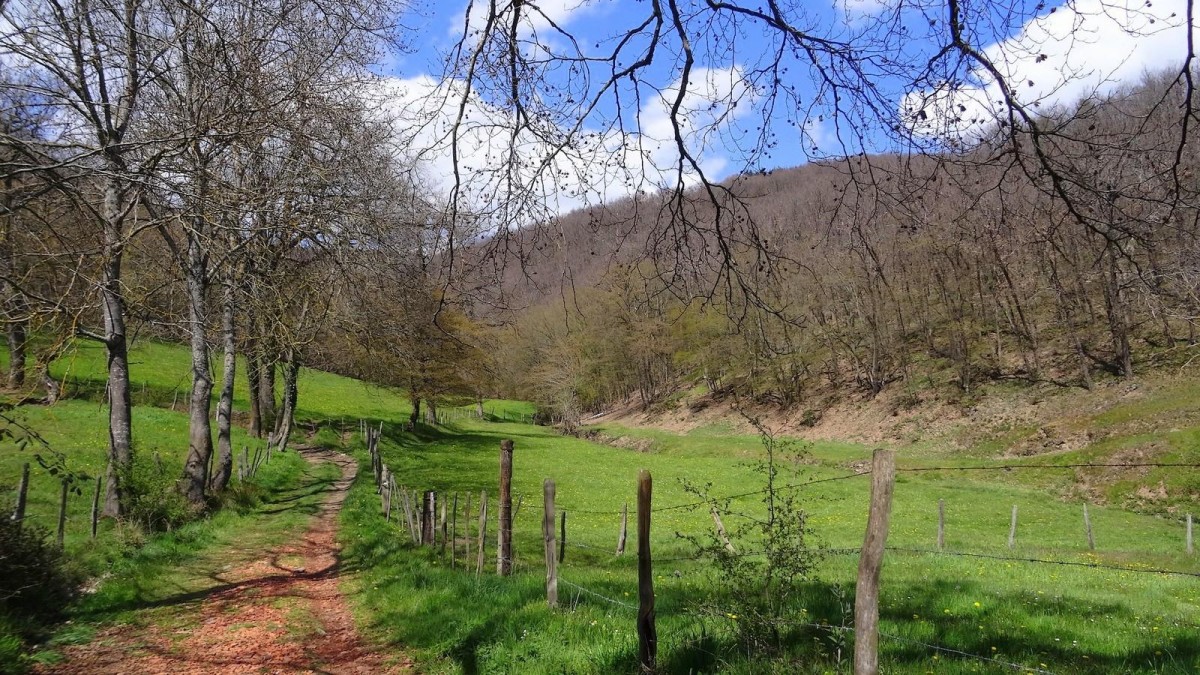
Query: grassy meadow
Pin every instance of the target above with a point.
(940, 612)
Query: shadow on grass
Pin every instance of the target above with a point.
(153, 576)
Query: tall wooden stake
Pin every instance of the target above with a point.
(870, 564)
(647, 632)
(504, 535)
(18, 515)
(624, 528)
(548, 540)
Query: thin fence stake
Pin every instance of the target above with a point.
(467, 534)
(482, 531)
(442, 525)
(870, 564)
(96, 506)
(428, 518)
(562, 540)
(454, 531)
(1189, 534)
(62, 512)
(18, 515)
(1012, 528)
(1087, 525)
(624, 527)
(548, 541)
(721, 530)
(941, 534)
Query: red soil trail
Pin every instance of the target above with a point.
(282, 613)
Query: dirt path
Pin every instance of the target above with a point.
(281, 613)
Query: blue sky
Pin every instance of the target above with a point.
(1056, 53)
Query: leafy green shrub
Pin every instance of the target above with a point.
(36, 580)
(153, 501)
(763, 565)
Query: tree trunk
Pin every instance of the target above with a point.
(266, 390)
(430, 412)
(52, 386)
(15, 306)
(16, 343)
(225, 404)
(112, 295)
(253, 370)
(200, 446)
(416, 411)
(291, 394)
(479, 407)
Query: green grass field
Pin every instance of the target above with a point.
(1072, 619)
(997, 612)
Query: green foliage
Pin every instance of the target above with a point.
(762, 568)
(152, 500)
(36, 580)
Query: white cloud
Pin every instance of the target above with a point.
(519, 177)
(535, 16)
(1077, 50)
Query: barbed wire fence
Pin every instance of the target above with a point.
(425, 529)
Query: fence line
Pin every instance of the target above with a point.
(598, 595)
(1083, 465)
(1069, 563)
(865, 628)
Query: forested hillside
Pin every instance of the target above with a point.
(918, 274)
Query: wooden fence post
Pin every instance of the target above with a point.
(18, 514)
(96, 506)
(548, 540)
(504, 527)
(1012, 528)
(1189, 533)
(721, 530)
(1087, 525)
(62, 512)
(870, 564)
(941, 536)
(482, 531)
(647, 632)
(624, 526)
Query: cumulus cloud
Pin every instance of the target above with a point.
(1077, 50)
(496, 167)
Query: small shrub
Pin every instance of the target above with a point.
(762, 590)
(153, 501)
(36, 580)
